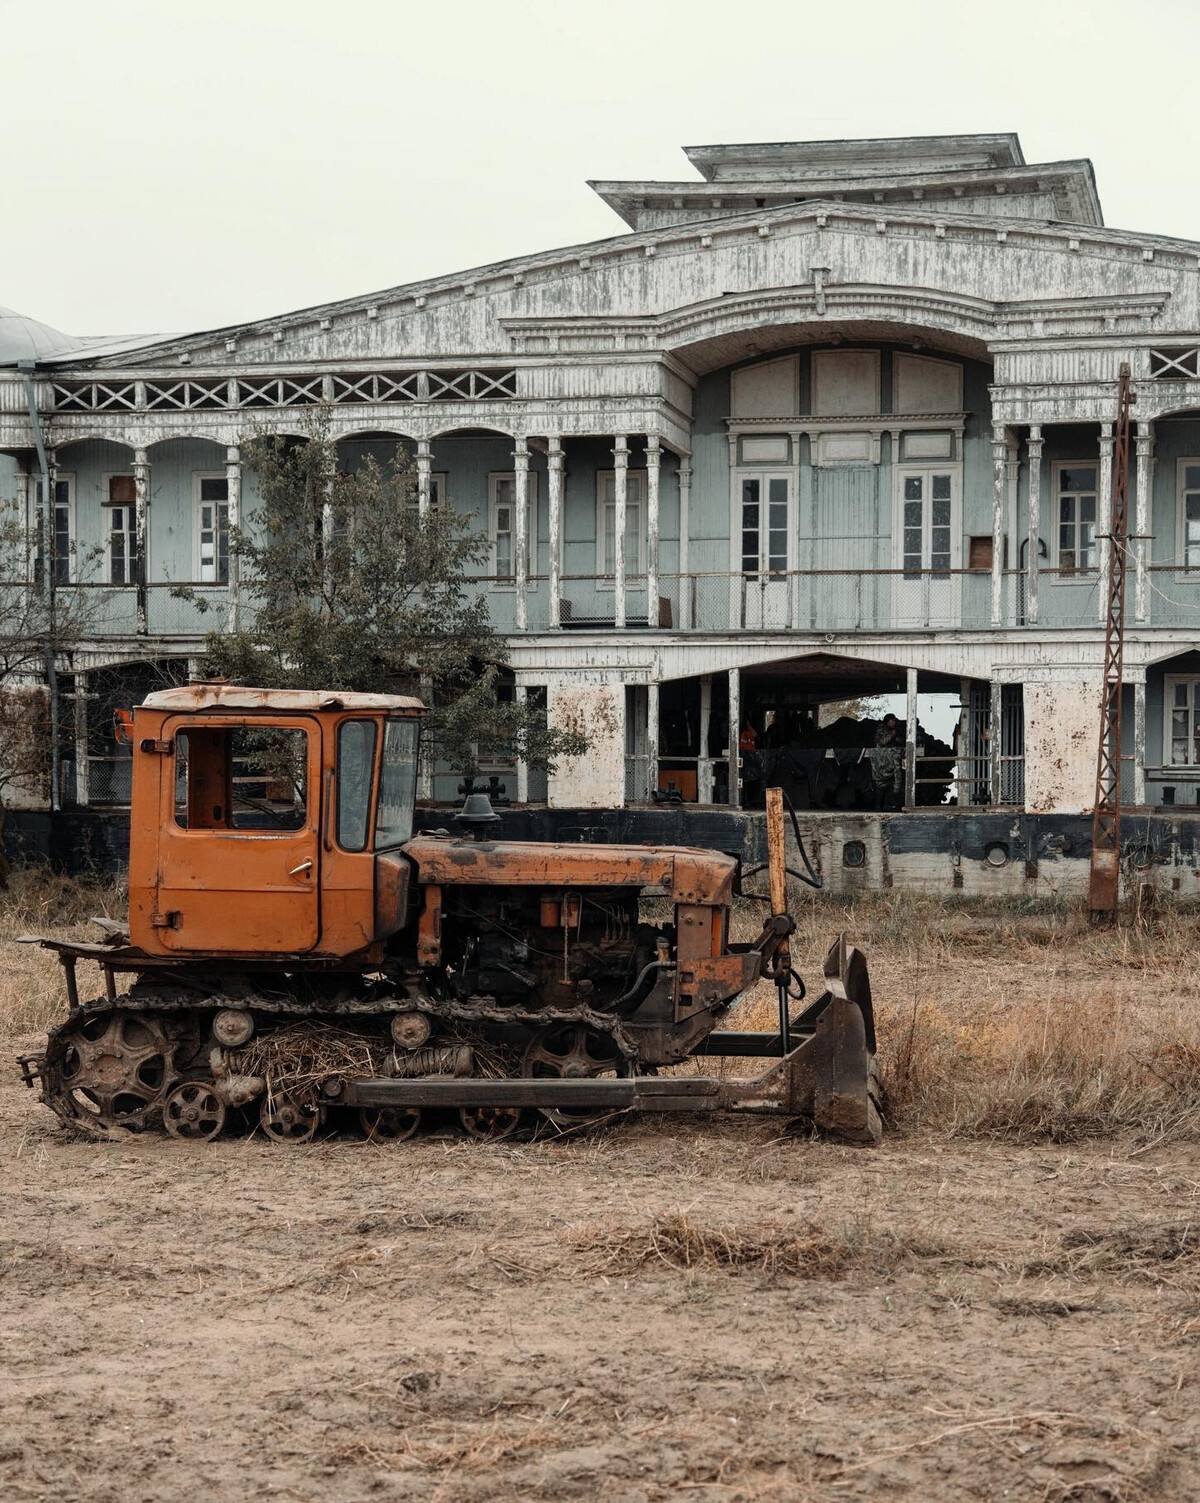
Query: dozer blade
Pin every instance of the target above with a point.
(830, 1078)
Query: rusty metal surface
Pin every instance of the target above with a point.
(190, 698)
(689, 876)
(1104, 884)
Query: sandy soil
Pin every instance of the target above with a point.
(447, 1320)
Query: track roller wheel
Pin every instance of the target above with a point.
(388, 1124)
(290, 1116)
(571, 1051)
(489, 1123)
(193, 1110)
(109, 1069)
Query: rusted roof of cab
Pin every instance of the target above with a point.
(192, 697)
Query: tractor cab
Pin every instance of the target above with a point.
(263, 820)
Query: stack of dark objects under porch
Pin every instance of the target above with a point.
(830, 767)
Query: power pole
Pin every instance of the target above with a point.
(1104, 887)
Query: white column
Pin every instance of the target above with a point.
(520, 531)
(1145, 482)
(554, 461)
(735, 726)
(651, 740)
(653, 456)
(424, 474)
(620, 497)
(1104, 515)
(522, 765)
(1139, 740)
(1011, 550)
(1032, 562)
(233, 491)
(82, 795)
(999, 491)
(910, 739)
(141, 493)
(704, 767)
(995, 738)
(686, 618)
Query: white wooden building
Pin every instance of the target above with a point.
(826, 419)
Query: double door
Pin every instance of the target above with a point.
(766, 527)
(927, 547)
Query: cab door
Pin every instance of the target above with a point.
(239, 851)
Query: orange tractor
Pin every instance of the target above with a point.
(293, 951)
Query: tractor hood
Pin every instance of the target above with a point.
(687, 875)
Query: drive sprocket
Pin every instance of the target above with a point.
(108, 1069)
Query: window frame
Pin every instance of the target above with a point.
(369, 820)
(1087, 575)
(310, 730)
(495, 479)
(763, 478)
(606, 567)
(198, 502)
(928, 468)
(1181, 491)
(107, 507)
(62, 477)
(1170, 680)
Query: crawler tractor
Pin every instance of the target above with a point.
(294, 952)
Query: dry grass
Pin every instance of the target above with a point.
(770, 1247)
(39, 901)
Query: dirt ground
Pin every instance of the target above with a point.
(449, 1320)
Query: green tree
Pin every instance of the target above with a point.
(348, 586)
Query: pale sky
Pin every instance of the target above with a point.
(174, 166)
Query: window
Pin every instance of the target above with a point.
(241, 777)
(212, 529)
(764, 524)
(635, 522)
(397, 784)
(502, 528)
(63, 526)
(356, 762)
(1188, 548)
(437, 492)
(1075, 500)
(120, 508)
(1181, 731)
(927, 521)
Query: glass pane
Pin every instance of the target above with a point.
(941, 514)
(912, 514)
(1066, 560)
(1179, 753)
(912, 487)
(939, 563)
(356, 757)
(214, 488)
(397, 783)
(912, 541)
(778, 493)
(939, 540)
(1191, 476)
(1087, 508)
(749, 491)
(1181, 694)
(941, 487)
(1066, 509)
(1077, 478)
(1191, 505)
(749, 514)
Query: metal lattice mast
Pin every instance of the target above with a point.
(1104, 886)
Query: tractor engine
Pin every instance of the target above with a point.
(525, 946)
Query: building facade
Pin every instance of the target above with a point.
(828, 420)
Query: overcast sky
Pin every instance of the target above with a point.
(173, 166)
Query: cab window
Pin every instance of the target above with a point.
(241, 777)
(355, 764)
(397, 784)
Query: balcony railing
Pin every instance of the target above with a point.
(798, 600)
